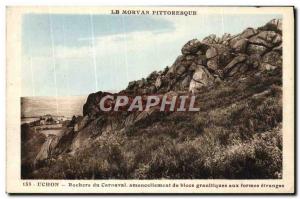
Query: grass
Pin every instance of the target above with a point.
(236, 135)
(31, 142)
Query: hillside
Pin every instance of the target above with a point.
(237, 133)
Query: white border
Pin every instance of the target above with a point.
(92, 2)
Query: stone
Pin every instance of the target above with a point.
(277, 39)
(220, 56)
(193, 67)
(249, 32)
(235, 61)
(239, 46)
(243, 68)
(254, 60)
(267, 66)
(202, 75)
(268, 39)
(210, 39)
(180, 70)
(201, 78)
(47, 148)
(83, 122)
(201, 60)
(213, 64)
(91, 107)
(192, 47)
(180, 65)
(186, 63)
(211, 52)
(226, 37)
(218, 79)
(256, 49)
(190, 57)
(129, 120)
(178, 60)
(274, 25)
(278, 49)
(218, 40)
(273, 58)
(171, 70)
(140, 83)
(224, 58)
(186, 82)
(233, 71)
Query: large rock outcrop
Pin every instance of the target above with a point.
(211, 60)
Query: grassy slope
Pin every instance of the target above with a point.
(237, 134)
(31, 142)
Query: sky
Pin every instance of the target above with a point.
(73, 55)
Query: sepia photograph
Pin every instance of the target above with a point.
(152, 93)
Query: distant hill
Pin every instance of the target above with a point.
(59, 106)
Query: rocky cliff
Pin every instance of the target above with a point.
(214, 59)
(236, 134)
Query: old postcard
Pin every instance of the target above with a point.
(150, 100)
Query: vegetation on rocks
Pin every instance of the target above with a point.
(237, 134)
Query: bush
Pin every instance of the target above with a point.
(236, 135)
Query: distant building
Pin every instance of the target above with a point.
(42, 122)
(47, 119)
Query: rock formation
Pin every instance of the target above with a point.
(211, 60)
(232, 61)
